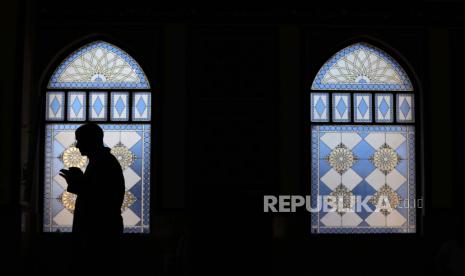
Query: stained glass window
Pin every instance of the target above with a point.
(98, 82)
(367, 154)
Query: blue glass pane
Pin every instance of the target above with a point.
(141, 110)
(405, 108)
(341, 107)
(76, 106)
(119, 106)
(319, 103)
(98, 106)
(55, 106)
(320, 107)
(384, 108)
(362, 107)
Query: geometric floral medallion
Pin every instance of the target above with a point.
(72, 157)
(341, 193)
(386, 193)
(341, 158)
(124, 155)
(385, 159)
(68, 200)
(129, 199)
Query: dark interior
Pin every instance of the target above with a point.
(230, 125)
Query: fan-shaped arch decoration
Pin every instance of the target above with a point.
(362, 66)
(99, 65)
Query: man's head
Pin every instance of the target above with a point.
(89, 138)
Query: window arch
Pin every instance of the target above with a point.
(101, 83)
(363, 143)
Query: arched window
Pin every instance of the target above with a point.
(101, 83)
(363, 144)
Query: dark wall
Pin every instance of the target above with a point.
(231, 92)
(10, 116)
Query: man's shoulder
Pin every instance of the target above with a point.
(108, 159)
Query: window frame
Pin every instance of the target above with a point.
(310, 68)
(43, 122)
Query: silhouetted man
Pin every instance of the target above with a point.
(97, 223)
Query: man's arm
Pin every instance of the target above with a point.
(75, 178)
